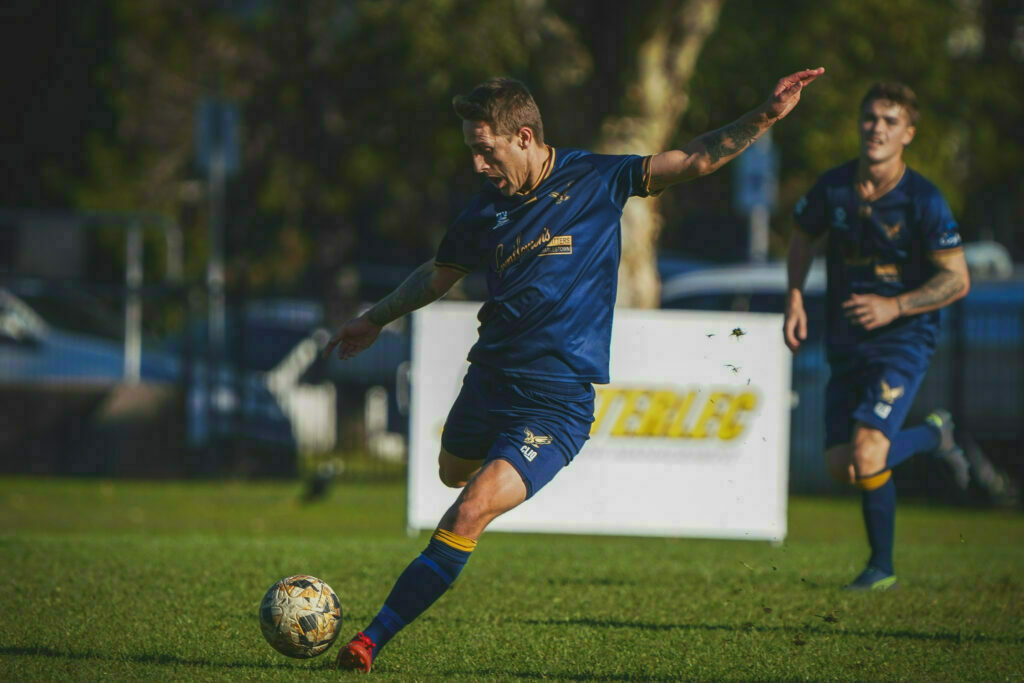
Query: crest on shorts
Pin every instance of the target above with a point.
(535, 439)
(890, 394)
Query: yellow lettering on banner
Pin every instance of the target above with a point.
(661, 413)
(676, 428)
(606, 397)
(730, 426)
(655, 419)
(629, 410)
(717, 401)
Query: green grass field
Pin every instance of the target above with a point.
(161, 581)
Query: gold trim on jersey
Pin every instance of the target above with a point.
(545, 171)
(648, 178)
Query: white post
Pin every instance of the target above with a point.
(759, 228)
(133, 306)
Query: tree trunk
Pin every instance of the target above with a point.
(666, 62)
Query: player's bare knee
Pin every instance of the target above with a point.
(868, 458)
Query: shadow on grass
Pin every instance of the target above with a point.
(141, 658)
(941, 636)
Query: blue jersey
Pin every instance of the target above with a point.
(879, 247)
(552, 259)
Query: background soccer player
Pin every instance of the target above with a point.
(893, 259)
(546, 230)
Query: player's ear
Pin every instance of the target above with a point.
(908, 135)
(524, 137)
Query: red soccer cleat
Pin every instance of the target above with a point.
(357, 655)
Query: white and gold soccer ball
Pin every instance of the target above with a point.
(300, 616)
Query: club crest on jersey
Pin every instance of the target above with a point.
(500, 218)
(892, 231)
(562, 196)
(890, 394)
(532, 439)
(839, 218)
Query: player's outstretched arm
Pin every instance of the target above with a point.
(710, 151)
(427, 283)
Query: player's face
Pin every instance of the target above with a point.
(884, 130)
(503, 161)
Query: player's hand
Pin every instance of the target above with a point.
(794, 329)
(787, 91)
(354, 336)
(871, 311)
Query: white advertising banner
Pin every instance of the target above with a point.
(690, 438)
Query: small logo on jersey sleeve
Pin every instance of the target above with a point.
(801, 206)
(950, 239)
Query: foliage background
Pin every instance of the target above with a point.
(352, 156)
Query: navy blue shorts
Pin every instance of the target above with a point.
(876, 392)
(538, 427)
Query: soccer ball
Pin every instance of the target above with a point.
(300, 616)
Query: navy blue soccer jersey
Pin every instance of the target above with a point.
(552, 258)
(878, 247)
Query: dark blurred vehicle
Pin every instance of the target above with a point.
(261, 396)
(31, 350)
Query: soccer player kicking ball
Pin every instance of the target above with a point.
(546, 230)
(893, 259)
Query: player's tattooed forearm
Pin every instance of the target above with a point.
(730, 140)
(937, 291)
(414, 293)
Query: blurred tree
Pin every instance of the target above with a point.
(353, 157)
(52, 55)
(646, 122)
(960, 56)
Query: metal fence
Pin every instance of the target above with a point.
(269, 395)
